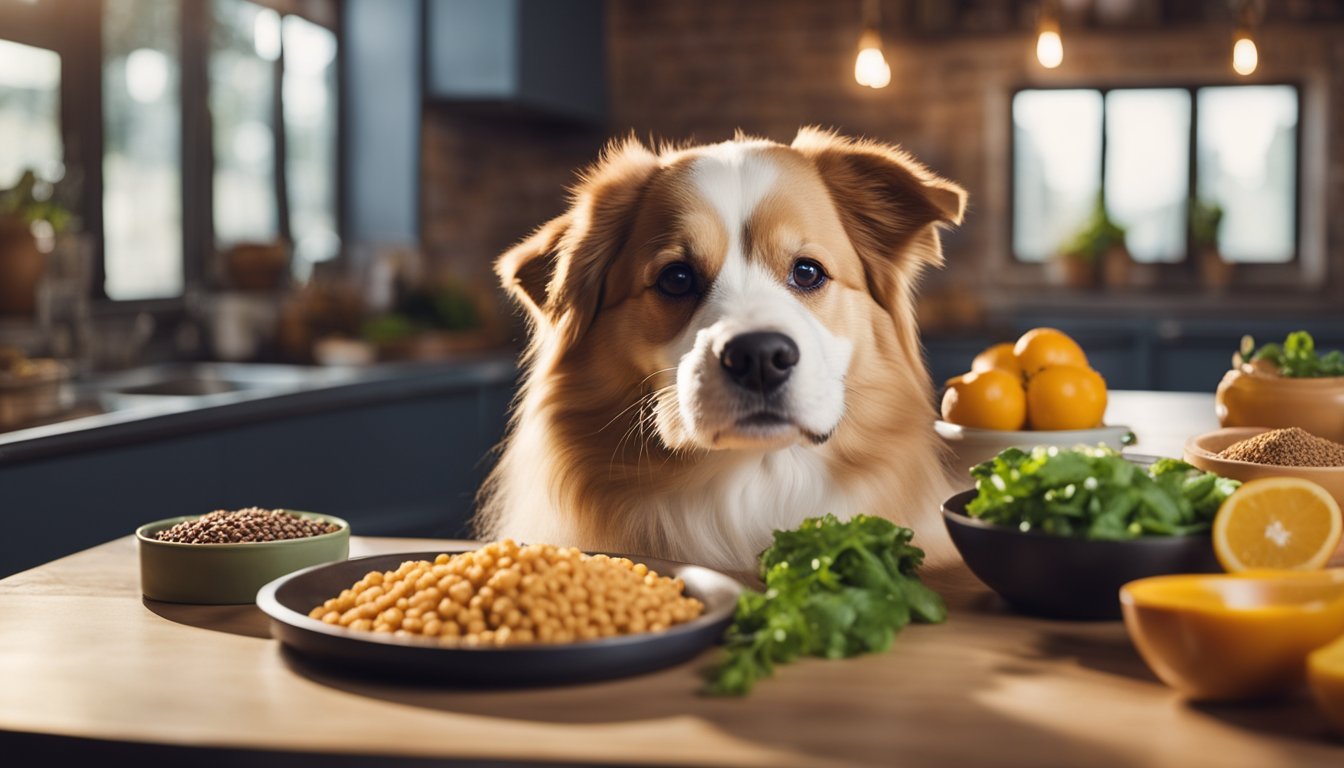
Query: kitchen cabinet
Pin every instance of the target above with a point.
(398, 461)
(543, 57)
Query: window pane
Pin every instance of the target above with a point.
(309, 95)
(1148, 170)
(1057, 167)
(242, 90)
(1247, 149)
(142, 179)
(30, 113)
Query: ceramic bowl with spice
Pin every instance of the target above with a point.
(224, 557)
(1250, 453)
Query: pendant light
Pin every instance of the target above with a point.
(1049, 45)
(870, 66)
(1245, 55)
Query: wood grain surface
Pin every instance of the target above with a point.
(82, 654)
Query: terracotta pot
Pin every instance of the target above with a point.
(1247, 398)
(21, 266)
(1115, 266)
(1215, 272)
(257, 266)
(1073, 272)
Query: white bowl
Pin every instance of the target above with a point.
(972, 446)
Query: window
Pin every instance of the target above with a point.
(309, 89)
(1147, 152)
(142, 150)
(178, 129)
(30, 113)
(243, 52)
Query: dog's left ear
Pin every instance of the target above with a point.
(890, 204)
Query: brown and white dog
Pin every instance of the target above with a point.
(723, 344)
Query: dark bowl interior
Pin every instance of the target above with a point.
(1064, 577)
(287, 601)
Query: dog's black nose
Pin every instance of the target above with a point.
(759, 361)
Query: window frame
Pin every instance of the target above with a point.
(78, 39)
(1184, 273)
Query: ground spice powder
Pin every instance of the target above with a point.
(1292, 447)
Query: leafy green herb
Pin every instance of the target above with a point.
(1296, 358)
(1095, 493)
(832, 589)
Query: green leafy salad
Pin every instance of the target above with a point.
(1095, 493)
(833, 589)
(1296, 358)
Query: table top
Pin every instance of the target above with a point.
(82, 654)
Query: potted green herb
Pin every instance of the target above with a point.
(26, 208)
(1206, 219)
(1098, 245)
(441, 320)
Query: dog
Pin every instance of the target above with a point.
(723, 343)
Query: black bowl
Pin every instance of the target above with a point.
(288, 599)
(1063, 577)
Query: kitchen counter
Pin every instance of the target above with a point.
(92, 670)
(128, 418)
(397, 450)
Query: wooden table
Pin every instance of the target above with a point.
(85, 661)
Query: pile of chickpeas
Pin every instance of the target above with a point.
(506, 594)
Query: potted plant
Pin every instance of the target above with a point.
(1099, 244)
(26, 208)
(440, 320)
(1206, 217)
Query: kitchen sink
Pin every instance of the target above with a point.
(196, 380)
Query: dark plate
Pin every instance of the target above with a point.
(288, 599)
(1064, 577)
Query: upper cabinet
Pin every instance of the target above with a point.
(546, 57)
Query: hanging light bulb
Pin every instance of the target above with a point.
(1245, 55)
(870, 65)
(1049, 45)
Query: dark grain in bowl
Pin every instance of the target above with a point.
(228, 574)
(1066, 577)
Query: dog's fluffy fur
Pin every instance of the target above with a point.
(628, 436)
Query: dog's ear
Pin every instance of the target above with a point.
(557, 272)
(526, 269)
(890, 204)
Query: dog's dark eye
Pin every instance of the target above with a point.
(807, 275)
(676, 280)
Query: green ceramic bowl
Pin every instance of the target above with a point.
(224, 574)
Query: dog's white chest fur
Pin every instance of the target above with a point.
(727, 516)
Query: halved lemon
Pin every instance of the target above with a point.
(1280, 523)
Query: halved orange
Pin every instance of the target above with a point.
(1280, 523)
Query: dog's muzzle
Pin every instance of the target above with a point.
(759, 362)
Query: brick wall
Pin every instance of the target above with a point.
(700, 69)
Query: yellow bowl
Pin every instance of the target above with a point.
(1233, 636)
(1325, 673)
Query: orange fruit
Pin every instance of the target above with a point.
(1043, 347)
(1325, 673)
(990, 399)
(1284, 523)
(1066, 397)
(999, 356)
